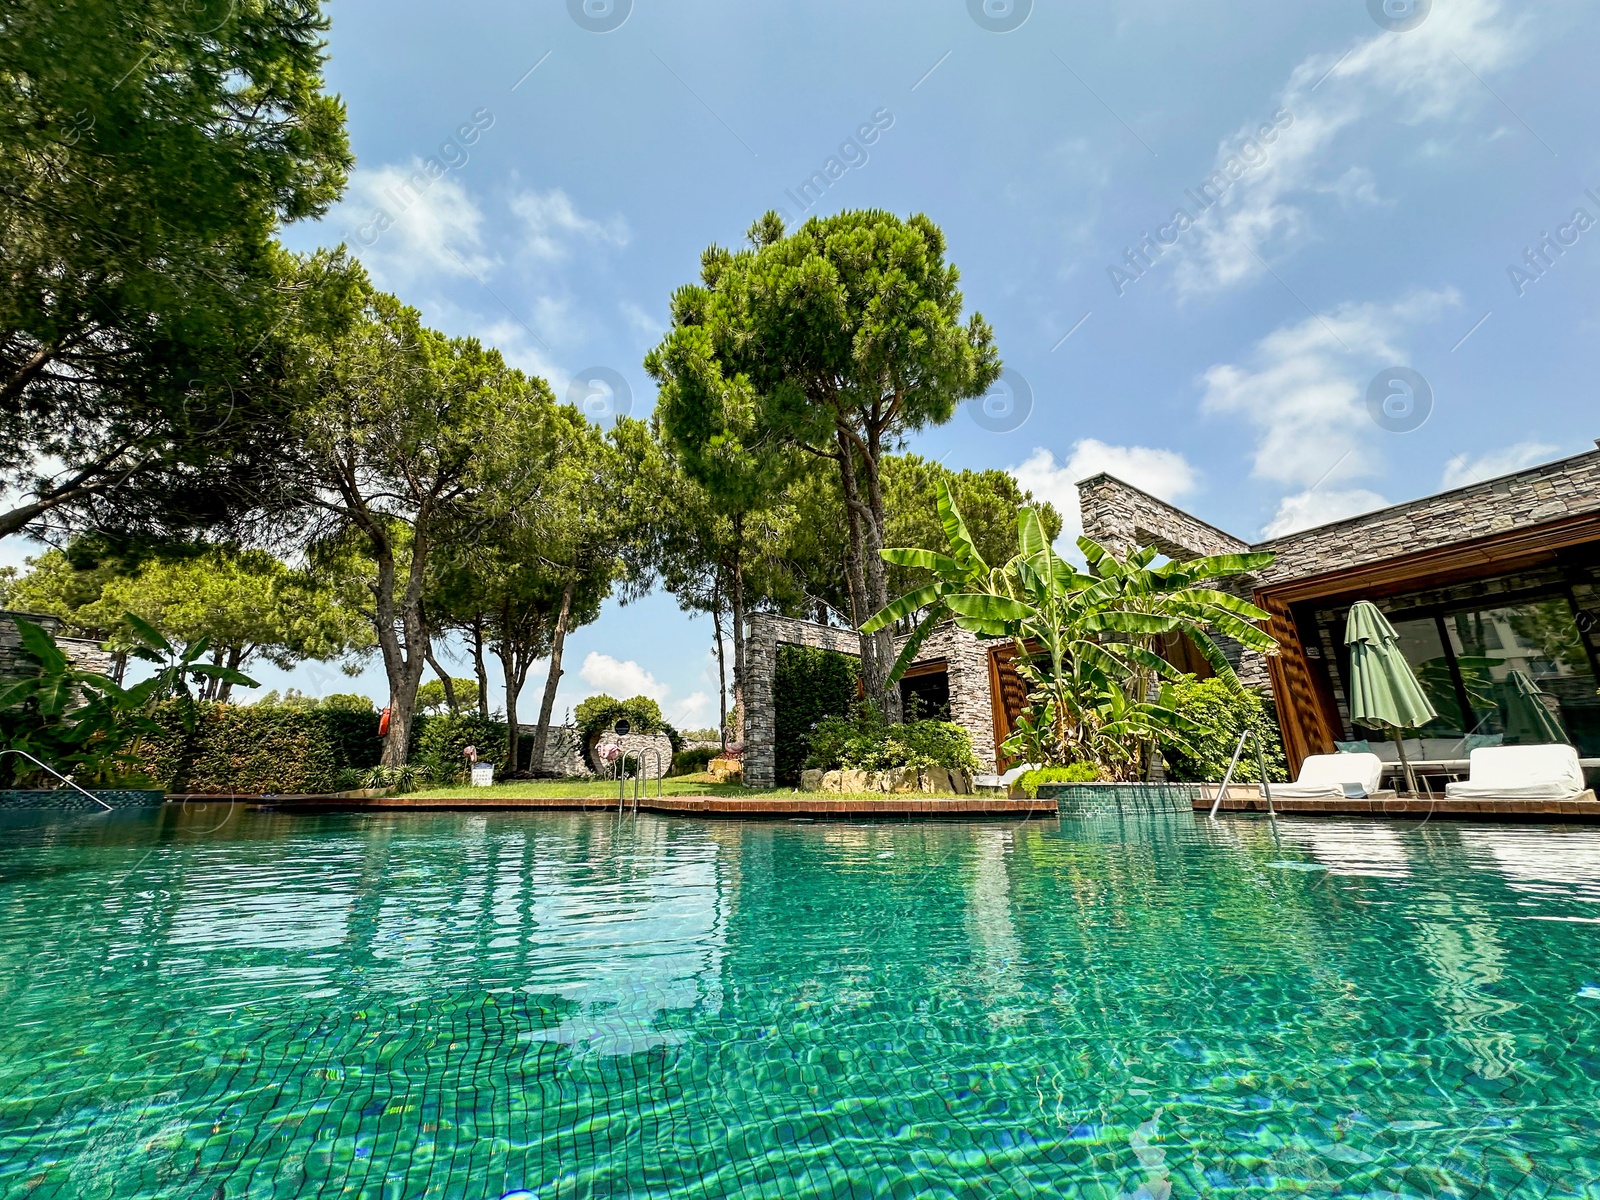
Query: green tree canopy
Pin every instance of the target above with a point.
(148, 154)
(840, 338)
(245, 603)
(813, 548)
(407, 426)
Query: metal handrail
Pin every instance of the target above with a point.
(58, 775)
(1266, 784)
(622, 776)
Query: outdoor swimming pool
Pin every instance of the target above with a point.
(460, 1005)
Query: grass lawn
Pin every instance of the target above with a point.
(686, 785)
(559, 789)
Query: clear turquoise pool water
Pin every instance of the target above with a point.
(466, 1006)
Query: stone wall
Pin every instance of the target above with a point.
(1122, 517)
(766, 633)
(966, 659)
(971, 704)
(14, 664)
(652, 750)
(563, 753)
(1565, 488)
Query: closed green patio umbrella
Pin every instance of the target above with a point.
(1383, 689)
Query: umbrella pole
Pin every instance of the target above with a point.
(1411, 777)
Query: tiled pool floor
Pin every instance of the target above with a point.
(205, 1004)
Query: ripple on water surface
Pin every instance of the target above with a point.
(572, 1006)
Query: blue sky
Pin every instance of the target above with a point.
(1407, 170)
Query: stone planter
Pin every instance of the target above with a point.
(726, 770)
(898, 781)
(69, 800)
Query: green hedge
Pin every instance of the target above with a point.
(260, 750)
(438, 742)
(693, 762)
(866, 742)
(1222, 716)
(247, 748)
(809, 687)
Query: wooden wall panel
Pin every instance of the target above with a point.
(1306, 727)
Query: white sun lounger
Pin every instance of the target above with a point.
(1006, 780)
(1521, 773)
(1353, 776)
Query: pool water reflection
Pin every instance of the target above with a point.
(464, 1005)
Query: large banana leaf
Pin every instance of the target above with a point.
(905, 606)
(962, 547)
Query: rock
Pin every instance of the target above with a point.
(960, 783)
(938, 781)
(830, 781)
(810, 781)
(900, 780)
(853, 783)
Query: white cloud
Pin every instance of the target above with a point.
(693, 711)
(1462, 469)
(553, 223)
(1165, 474)
(1412, 77)
(626, 679)
(1308, 509)
(1303, 387)
(407, 225)
(642, 322)
(620, 679)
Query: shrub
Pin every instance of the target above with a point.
(1221, 716)
(864, 741)
(440, 742)
(1080, 772)
(399, 779)
(692, 762)
(808, 686)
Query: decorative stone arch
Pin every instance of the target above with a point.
(966, 662)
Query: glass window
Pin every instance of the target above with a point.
(1527, 674)
(1425, 651)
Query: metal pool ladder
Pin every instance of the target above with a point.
(1261, 757)
(58, 775)
(622, 776)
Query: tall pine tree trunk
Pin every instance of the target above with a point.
(869, 588)
(235, 657)
(479, 667)
(558, 641)
(739, 664)
(722, 667)
(444, 679)
(877, 579)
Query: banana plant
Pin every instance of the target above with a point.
(964, 587)
(1086, 643)
(83, 723)
(177, 668)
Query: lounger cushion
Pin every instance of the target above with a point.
(1352, 775)
(1389, 753)
(1521, 773)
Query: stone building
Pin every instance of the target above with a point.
(14, 664)
(1491, 587)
